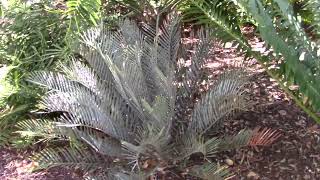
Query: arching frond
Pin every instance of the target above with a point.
(198, 60)
(298, 67)
(41, 128)
(48, 130)
(74, 157)
(193, 144)
(218, 14)
(210, 171)
(88, 10)
(225, 98)
(256, 137)
(97, 140)
(117, 176)
(314, 7)
(236, 141)
(264, 137)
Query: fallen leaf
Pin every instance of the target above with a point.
(229, 162)
(253, 175)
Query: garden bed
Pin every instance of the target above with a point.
(295, 155)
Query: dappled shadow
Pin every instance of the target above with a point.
(296, 154)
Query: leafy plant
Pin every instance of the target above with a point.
(81, 14)
(32, 31)
(301, 61)
(36, 36)
(145, 11)
(135, 108)
(311, 9)
(285, 38)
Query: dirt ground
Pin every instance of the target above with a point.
(294, 156)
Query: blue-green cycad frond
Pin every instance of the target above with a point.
(84, 159)
(210, 171)
(222, 100)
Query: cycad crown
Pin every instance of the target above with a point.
(135, 107)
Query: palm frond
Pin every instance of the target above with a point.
(218, 15)
(198, 60)
(264, 137)
(300, 72)
(153, 150)
(97, 140)
(81, 73)
(219, 102)
(256, 137)
(292, 24)
(83, 104)
(193, 144)
(49, 130)
(230, 82)
(313, 6)
(210, 171)
(84, 159)
(52, 80)
(87, 10)
(236, 141)
(40, 128)
(117, 176)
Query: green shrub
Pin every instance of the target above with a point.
(286, 43)
(38, 36)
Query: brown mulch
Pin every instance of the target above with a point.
(14, 165)
(295, 155)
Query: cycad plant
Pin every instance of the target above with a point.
(135, 108)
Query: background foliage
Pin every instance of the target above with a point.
(286, 41)
(37, 36)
